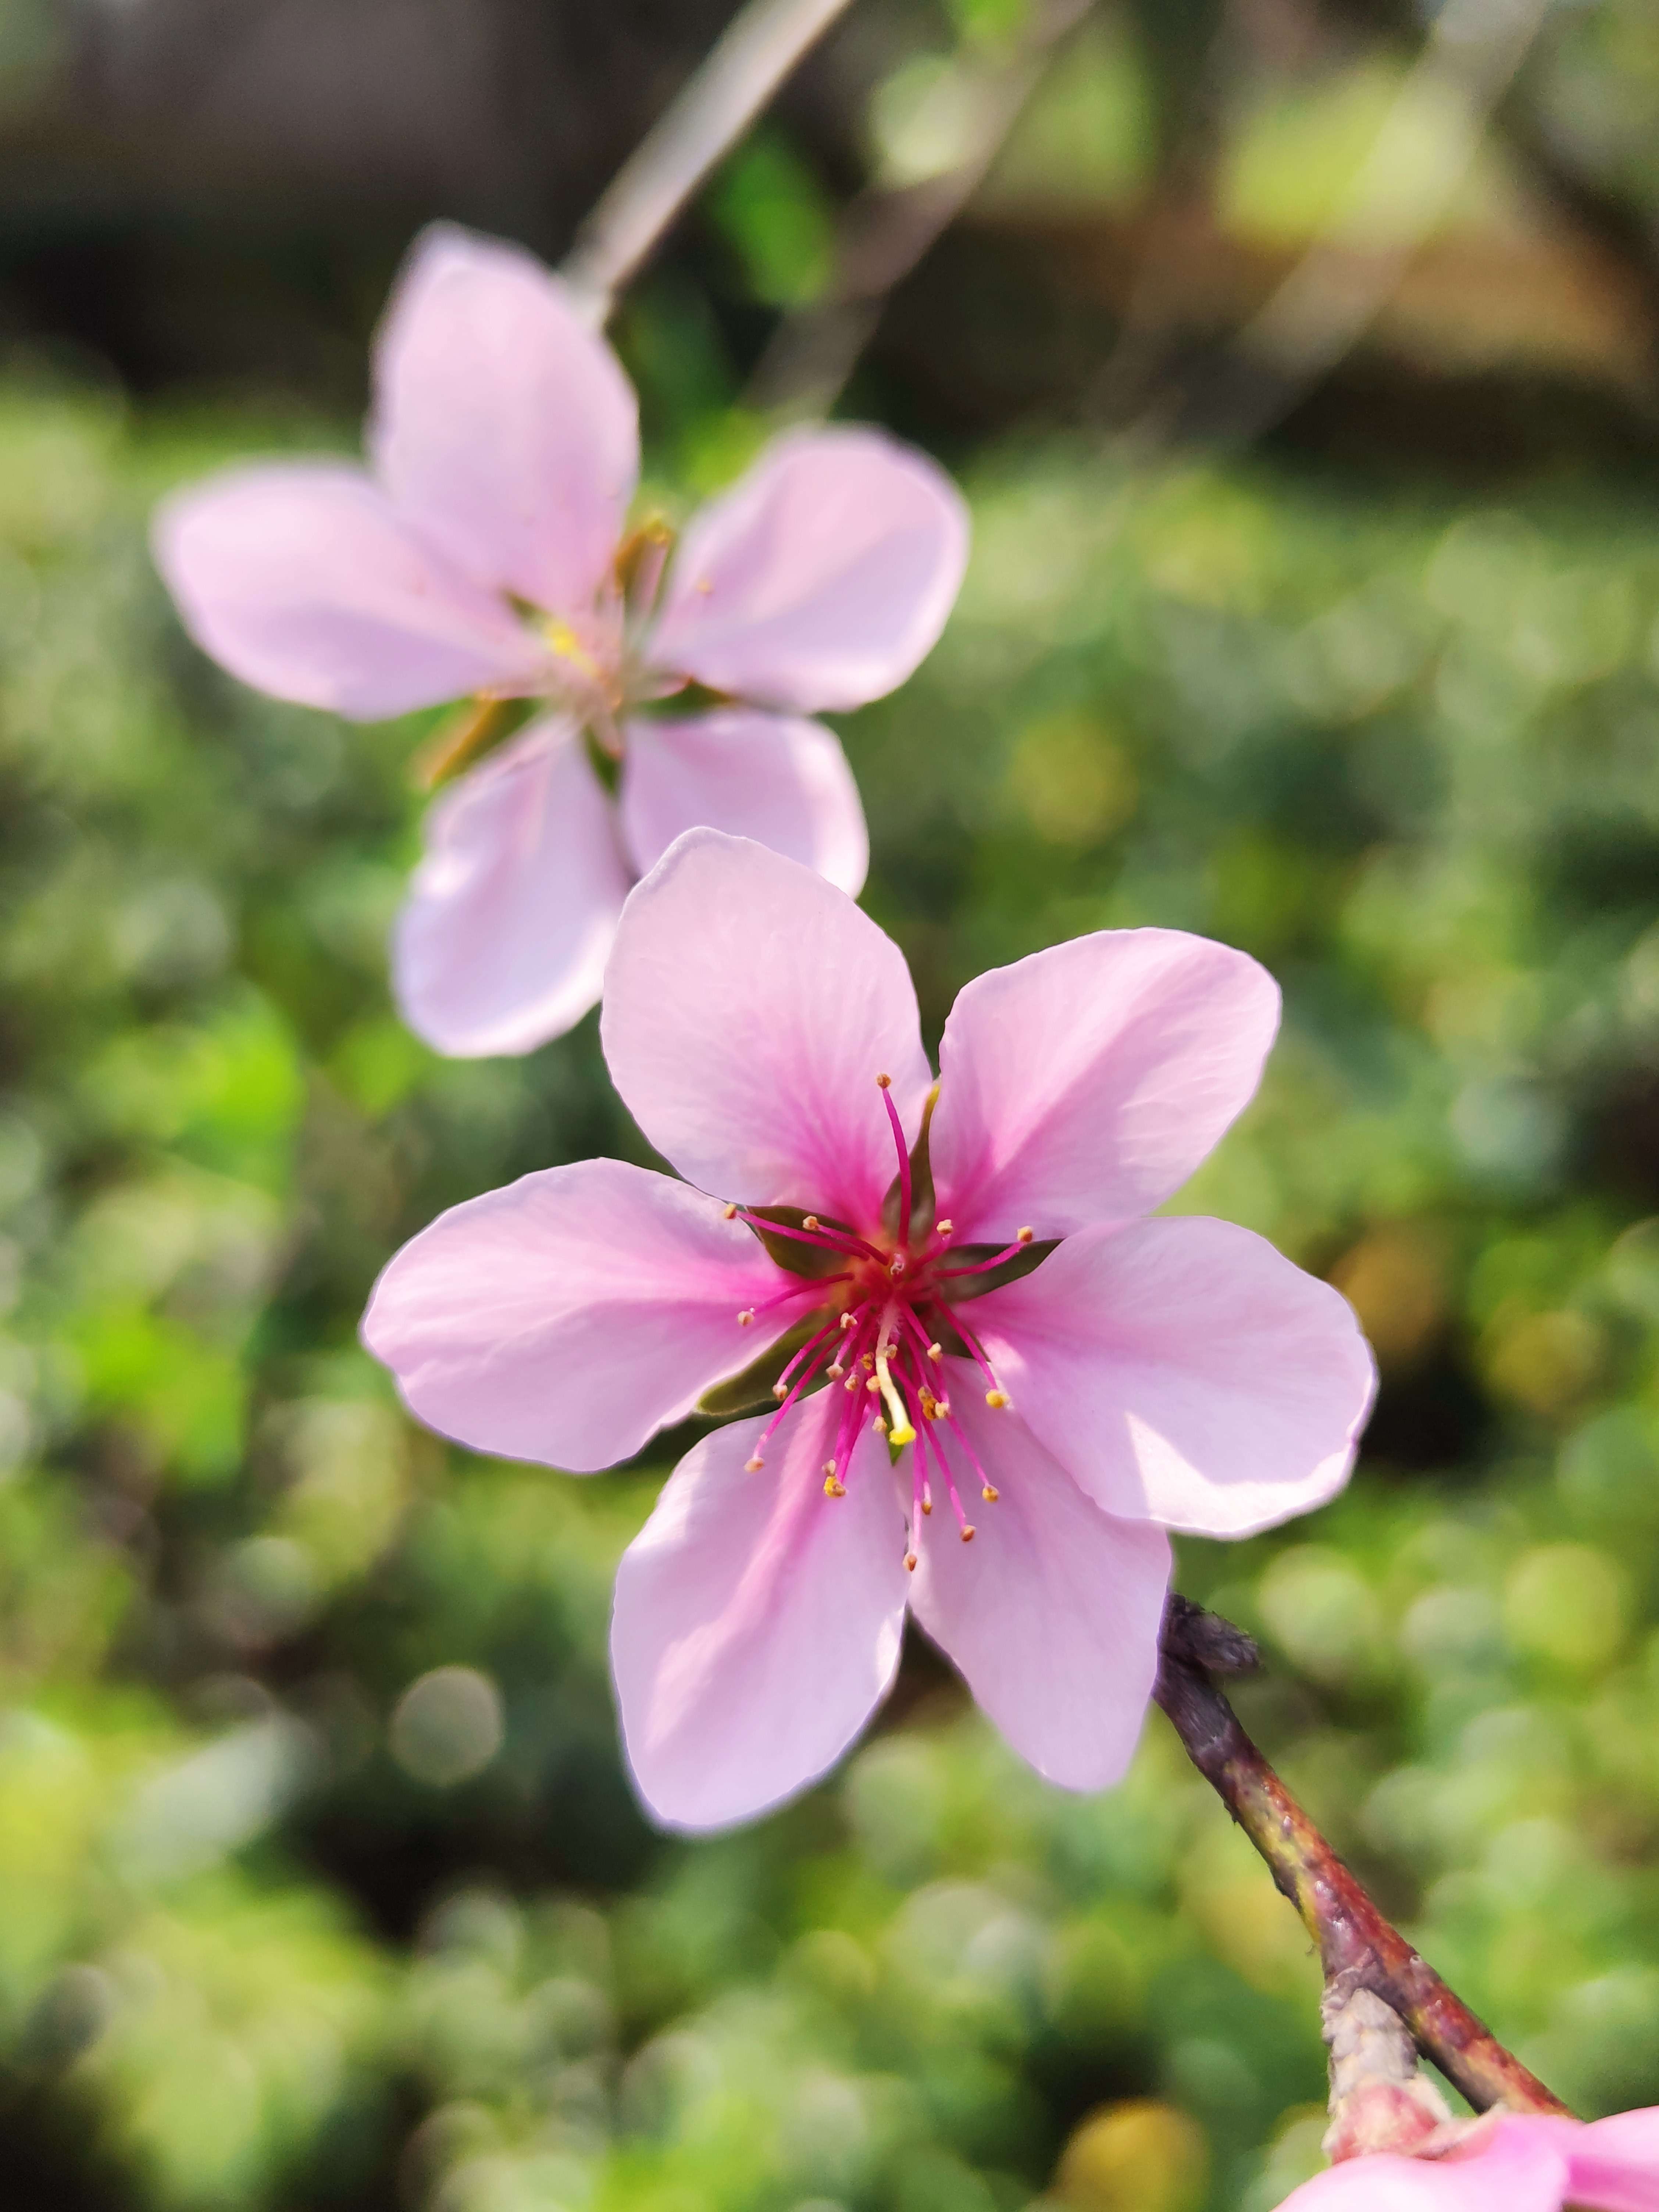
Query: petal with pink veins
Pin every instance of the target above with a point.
(1186, 1373)
(570, 1315)
(821, 578)
(301, 579)
(749, 1008)
(1052, 1613)
(781, 780)
(1086, 1082)
(503, 425)
(1613, 2164)
(758, 1622)
(1518, 2173)
(502, 940)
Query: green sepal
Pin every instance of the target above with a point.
(797, 1258)
(462, 739)
(605, 765)
(689, 699)
(751, 1391)
(976, 1287)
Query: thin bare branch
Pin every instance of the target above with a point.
(1417, 162)
(884, 233)
(753, 56)
(1421, 154)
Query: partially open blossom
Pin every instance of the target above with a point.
(1507, 2163)
(993, 1382)
(483, 554)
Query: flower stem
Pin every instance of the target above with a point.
(1354, 1940)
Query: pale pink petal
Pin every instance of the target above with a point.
(301, 578)
(819, 580)
(1510, 2174)
(503, 424)
(1185, 1371)
(568, 1316)
(502, 941)
(1052, 1612)
(1085, 1084)
(758, 1622)
(1613, 2164)
(749, 1008)
(772, 777)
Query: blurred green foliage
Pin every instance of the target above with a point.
(323, 1885)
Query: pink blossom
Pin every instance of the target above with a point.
(1003, 1456)
(481, 553)
(1508, 2162)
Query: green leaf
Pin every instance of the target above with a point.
(751, 1390)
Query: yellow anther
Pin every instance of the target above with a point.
(880, 1425)
(1024, 1236)
(885, 1081)
(873, 1385)
(996, 1398)
(753, 1466)
(927, 1505)
(849, 1321)
(835, 1369)
(907, 1435)
(730, 1212)
(936, 1351)
(746, 1318)
(851, 1384)
(868, 1360)
(809, 1221)
(910, 1561)
(944, 1228)
(832, 1488)
(990, 1493)
(967, 1532)
(779, 1391)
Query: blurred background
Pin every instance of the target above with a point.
(1299, 361)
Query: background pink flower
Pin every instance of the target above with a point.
(477, 553)
(1003, 1455)
(1511, 2163)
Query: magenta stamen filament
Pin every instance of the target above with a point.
(997, 1260)
(876, 1342)
(833, 1240)
(803, 1289)
(886, 1082)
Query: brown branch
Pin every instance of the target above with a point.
(1355, 1941)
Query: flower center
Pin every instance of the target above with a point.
(891, 1318)
(596, 665)
(599, 667)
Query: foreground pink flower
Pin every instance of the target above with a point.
(481, 554)
(1509, 2163)
(998, 1444)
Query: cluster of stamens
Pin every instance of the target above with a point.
(886, 1312)
(595, 664)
